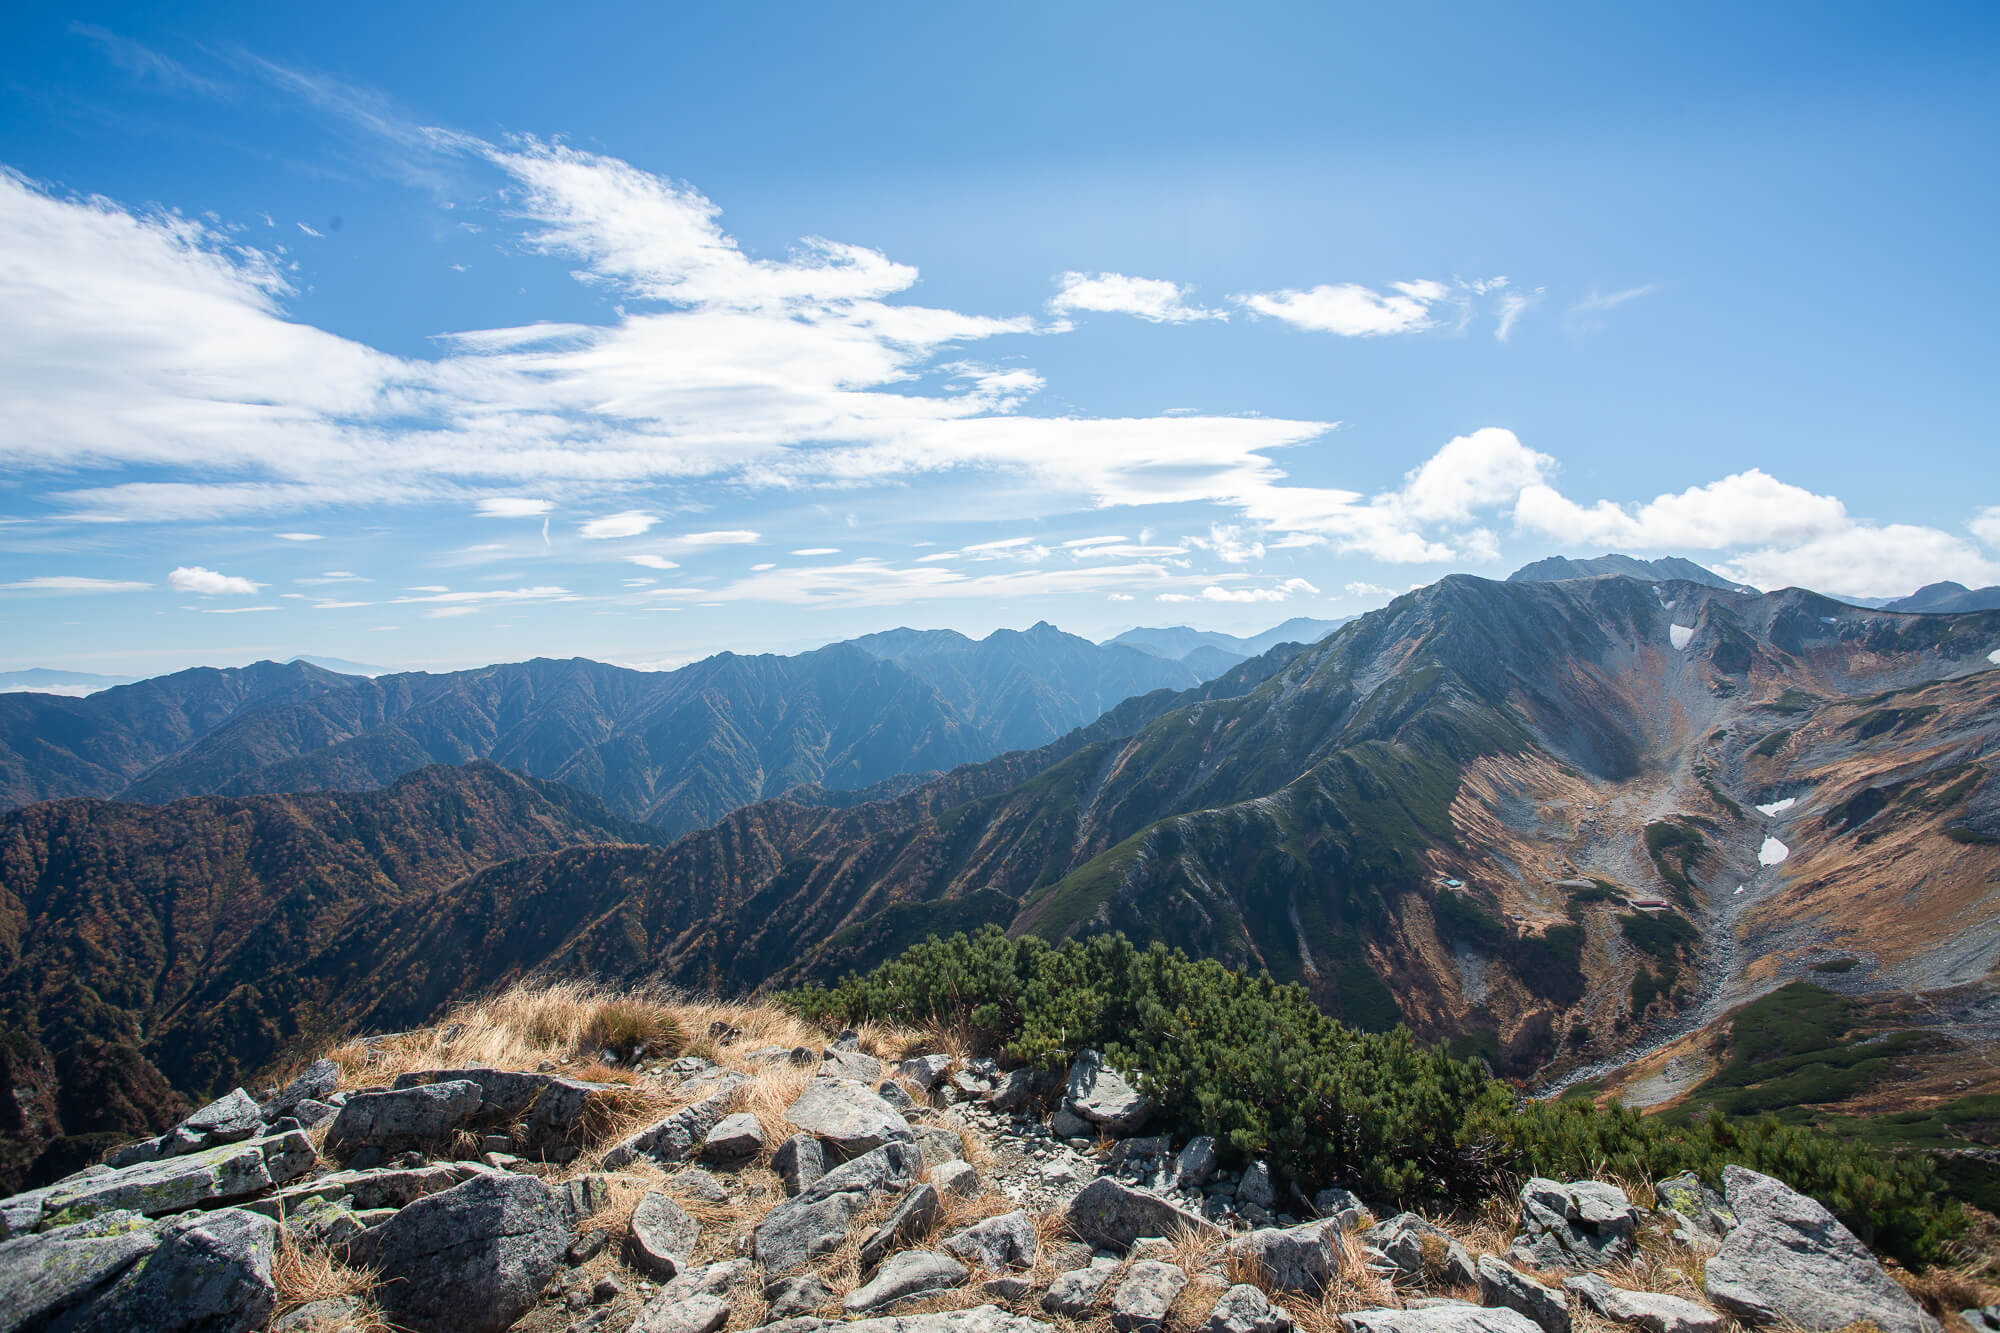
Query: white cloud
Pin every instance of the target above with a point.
(758, 569)
(1368, 591)
(818, 550)
(628, 523)
(298, 536)
(1588, 315)
(1229, 544)
(1742, 509)
(1471, 474)
(73, 583)
(701, 541)
(231, 610)
(1867, 561)
(652, 562)
(1153, 299)
(1119, 597)
(540, 593)
(1216, 593)
(1986, 526)
(208, 583)
(512, 506)
(333, 576)
(1512, 306)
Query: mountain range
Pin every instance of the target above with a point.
(1948, 596)
(1557, 823)
(1556, 569)
(677, 749)
(1184, 644)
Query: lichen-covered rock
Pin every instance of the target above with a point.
(839, 1063)
(1140, 1304)
(1245, 1309)
(399, 1118)
(902, 1276)
(1584, 1224)
(959, 1180)
(318, 1081)
(938, 1143)
(1502, 1287)
(1103, 1097)
(1789, 1260)
(979, 1319)
(1006, 1241)
(471, 1259)
(228, 1119)
(670, 1139)
(672, 1313)
(1109, 1212)
(815, 1221)
(1439, 1319)
(1656, 1312)
(1340, 1206)
(847, 1117)
(909, 1220)
(798, 1294)
(663, 1236)
(799, 1162)
(735, 1138)
(1297, 1258)
(42, 1275)
(169, 1185)
(1016, 1090)
(925, 1070)
(1075, 1293)
(209, 1273)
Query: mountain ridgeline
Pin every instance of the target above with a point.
(1506, 814)
(676, 749)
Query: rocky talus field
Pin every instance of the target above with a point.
(553, 1159)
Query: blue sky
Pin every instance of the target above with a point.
(641, 332)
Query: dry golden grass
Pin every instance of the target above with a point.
(1945, 1291)
(307, 1273)
(769, 1094)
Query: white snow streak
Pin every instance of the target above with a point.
(1772, 852)
(1779, 807)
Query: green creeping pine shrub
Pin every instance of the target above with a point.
(1255, 1064)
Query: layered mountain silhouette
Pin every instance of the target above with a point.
(1947, 597)
(677, 749)
(1509, 814)
(1213, 652)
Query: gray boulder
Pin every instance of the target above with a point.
(938, 1143)
(1984, 1319)
(1789, 1260)
(335, 1312)
(1141, 1302)
(959, 1180)
(1502, 1287)
(471, 1259)
(1075, 1293)
(696, 1183)
(1439, 1319)
(672, 1312)
(979, 1319)
(1015, 1091)
(402, 1118)
(1109, 1212)
(318, 1081)
(735, 1138)
(1256, 1186)
(925, 1070)
(1339, 1205)
(671, 1138)
(170, 1185)
(1103, 1096)
(799, 1294)
(663, 1236)
(311, 1114)
(1698, 1205)
(209, 1273)
(1245, 1309)
(839, 1063)
(1584, 1224)
(799, 1162)
(382, 1187)
(1006, 1241)
(63, 1267)
(911, 1273)
(1656, 1312)
(1299, 1258)
(815, 1221)
(847, 1117)
(1197, 1163)
(229, 1119)
(909, 1221)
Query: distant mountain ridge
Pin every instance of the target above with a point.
(1947, 597)
(49, 680)
(1556, 568)
(675, 749)
(1180, 642)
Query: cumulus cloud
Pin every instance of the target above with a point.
(208, 583)
(1745, 508)
(1986, 526)
(1864, 560)
(628, 523)
(1153, 299)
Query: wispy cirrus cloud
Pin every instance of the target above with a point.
(73, 584)
(205, 582)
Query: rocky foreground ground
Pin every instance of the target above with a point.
(768, 1179)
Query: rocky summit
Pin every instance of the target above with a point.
(518, 1169)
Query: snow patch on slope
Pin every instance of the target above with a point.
(1772, 852)
(1779, 807)
(1682, 635)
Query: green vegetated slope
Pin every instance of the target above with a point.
(1802, 1051)
(152, 955)
(1259, 1066)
